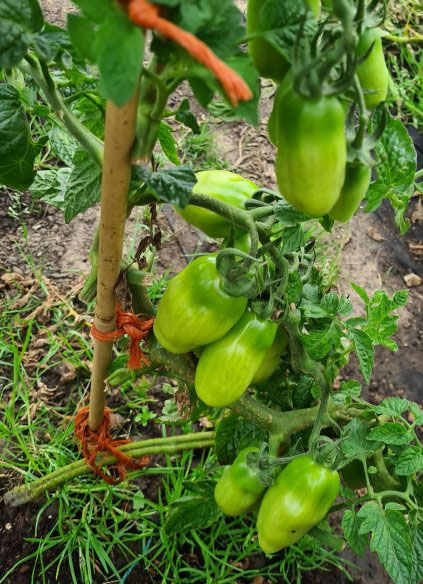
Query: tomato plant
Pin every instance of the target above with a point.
(253, 329)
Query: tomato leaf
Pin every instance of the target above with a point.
(119, 47)
(391, 433)
(409, 461)
(168, 143)
(390, 539)
(185, 116)
(84, 185)
(233, 434)
(396, 171)
(173, 185)
(17, 151)
(82, 34)
(191, 512)
(18, 20)
(365, 351)
(351, 528)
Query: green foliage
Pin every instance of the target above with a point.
(395, 173)
(17, 150)
(20, 20)
(52, 109)
(233, 435)
(172, 185)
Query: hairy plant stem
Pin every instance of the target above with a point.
(171, 445)
(40, 73)
(281, 425)
(237, 217)
(418, 38)
(362, 126)
(301, 362)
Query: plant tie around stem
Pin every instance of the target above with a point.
(147, 15)
(92, 442)
(128, 323)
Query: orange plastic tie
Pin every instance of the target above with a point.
(93, 442)
(147, 15)
(128, 323)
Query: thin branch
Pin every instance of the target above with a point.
(41, 75)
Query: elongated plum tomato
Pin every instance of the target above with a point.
(195, 310)
(238, 489)
(226, 368)
(267, 60)
(373, 72)
(224, 186)
(312, 151)
(272, 357)
(354, 189)
(300, 498)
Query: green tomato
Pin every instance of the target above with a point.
(224, 186)
(354, 189)
(312, 152)
(373, 72)
(195, 310)
(238, 489)
(272, 357)
(299, 499)
(226, 368)
(267, 60)
(274, 118)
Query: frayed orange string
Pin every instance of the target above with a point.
(128, 323)
(93, 442)
(147, 15)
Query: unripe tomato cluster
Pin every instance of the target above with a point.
(309, 132)
(299, 499)
(237, 348)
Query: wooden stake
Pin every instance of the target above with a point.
(119, 139)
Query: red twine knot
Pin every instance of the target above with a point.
(147, 15)
(92, 442)
(128, 323)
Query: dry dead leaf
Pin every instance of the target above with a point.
(116, 420)
(417, 214)
(375, 234)
(412, 280)
(67, 372)
(415, 248)
(205, 422)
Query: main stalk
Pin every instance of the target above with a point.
(119, 139)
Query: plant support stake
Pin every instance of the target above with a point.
(119, 139)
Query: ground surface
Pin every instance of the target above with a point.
(373, 255)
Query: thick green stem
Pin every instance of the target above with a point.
(41, 75)
(418, 38)
(385, 479)
(237, 217)
(262, 212)
(152, 103)
(301, 362)
(283, 424)
(172, 445)
(362, 125)
(252, 410)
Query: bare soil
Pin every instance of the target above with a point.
(373, 255)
